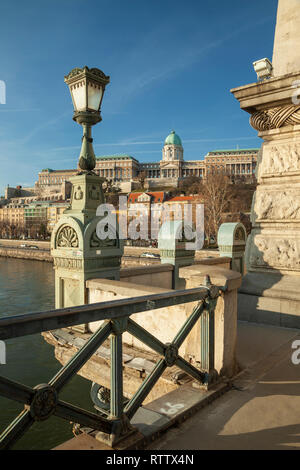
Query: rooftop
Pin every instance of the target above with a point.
(116, 157)
(181, 199)
(158, 196)
(233, 151)
(49, 170)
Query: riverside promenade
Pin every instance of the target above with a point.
(14, 249)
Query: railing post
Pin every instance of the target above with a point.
(121, 426)
(207, 326)
(116, 377)
(224, 317)
(207, 336)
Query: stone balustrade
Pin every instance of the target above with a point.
(164, 323)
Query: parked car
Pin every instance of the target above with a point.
(33, 247)
(210, 242)
(147, 254)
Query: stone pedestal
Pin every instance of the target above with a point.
(78, 253)
(224, 324)
(232, 242)
(273, 247)
(172, 248)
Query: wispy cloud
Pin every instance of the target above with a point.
(125, 143)
(63, 160)
(190, 141)
(44, 125)
(167, 61)
(73, 160)
(5, 109)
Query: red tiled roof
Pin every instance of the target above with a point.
(157, 196)
(181, 198)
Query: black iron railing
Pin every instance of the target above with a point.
(43, 401)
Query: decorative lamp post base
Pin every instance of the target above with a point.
(87, 159)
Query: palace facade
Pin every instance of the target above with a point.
(238, 163)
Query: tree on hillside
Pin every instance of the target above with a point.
(242, 195)
(39, 191)
(190, 185)
(106, 186)
(239, 217)
(141, 178)
(216, 192)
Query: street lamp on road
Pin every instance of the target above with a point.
(87, 88)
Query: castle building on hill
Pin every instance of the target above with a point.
(172, 168)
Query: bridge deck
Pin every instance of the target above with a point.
(260, 412)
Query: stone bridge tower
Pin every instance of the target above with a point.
(270, 290)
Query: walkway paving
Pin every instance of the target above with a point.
(262, 411)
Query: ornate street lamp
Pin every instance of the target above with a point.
(87, 89)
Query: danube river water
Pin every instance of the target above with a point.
(28, 286)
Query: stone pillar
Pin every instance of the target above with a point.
(78, 253)
(225, 318)
(172, 247)
(269, 291)
(286, 56)
(232, 242)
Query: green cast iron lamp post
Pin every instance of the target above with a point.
(87, 89)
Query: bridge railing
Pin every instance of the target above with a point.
(43, 400)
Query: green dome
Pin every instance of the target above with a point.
(173, 139)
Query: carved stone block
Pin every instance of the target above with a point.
(275, 253)
(280, 158)
(277, 205)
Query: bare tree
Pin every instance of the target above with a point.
(216, 194)
(242, 195)
(141, 178)
(189, 185)
(39, 192)
(106, 186)
(12, 230)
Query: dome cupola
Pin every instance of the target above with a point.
(172, 149)
(173, 139)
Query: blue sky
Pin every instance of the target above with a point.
(171, 63)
